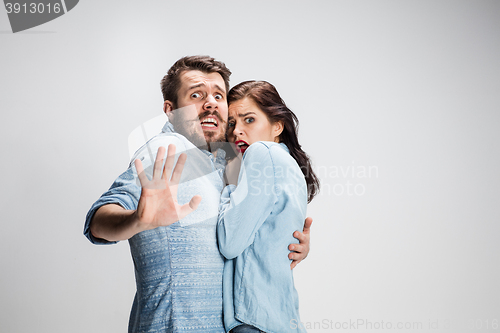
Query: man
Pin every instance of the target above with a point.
(170, 220)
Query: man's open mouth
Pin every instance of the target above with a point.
(241, 145)
(209, 123)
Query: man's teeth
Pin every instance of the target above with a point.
(210, 122)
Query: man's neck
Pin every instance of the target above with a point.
(213, 147)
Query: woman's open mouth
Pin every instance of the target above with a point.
(241, 145)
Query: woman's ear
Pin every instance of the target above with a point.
(277, 129)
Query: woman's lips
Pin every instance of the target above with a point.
(241, 145)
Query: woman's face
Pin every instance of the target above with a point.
(247, 124)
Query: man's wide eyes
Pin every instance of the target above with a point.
(198, 95)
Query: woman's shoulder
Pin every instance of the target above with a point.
(277, 153)
(264, 148)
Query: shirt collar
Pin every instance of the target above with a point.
(168, 127)
(282, 145)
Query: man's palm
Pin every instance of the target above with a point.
(158, 204)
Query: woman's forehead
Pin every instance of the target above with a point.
(243, 106)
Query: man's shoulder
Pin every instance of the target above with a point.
(163, 139)
(167, 138)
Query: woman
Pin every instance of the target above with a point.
(258, 217)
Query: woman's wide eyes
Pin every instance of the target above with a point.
(195, 95)
(218, 96)
(248, 120)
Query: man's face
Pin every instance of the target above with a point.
(205, 95)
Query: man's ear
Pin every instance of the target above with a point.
(168, 107)
(277, 129)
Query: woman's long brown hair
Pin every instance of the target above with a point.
(269, 101)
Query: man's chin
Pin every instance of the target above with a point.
(211, 136)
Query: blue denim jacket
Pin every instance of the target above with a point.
(256, 223)
(178, 268)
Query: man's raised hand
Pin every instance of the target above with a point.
(158, 204)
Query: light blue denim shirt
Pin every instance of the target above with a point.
(256, 224)
(178, 269)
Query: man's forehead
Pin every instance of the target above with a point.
(195, 77)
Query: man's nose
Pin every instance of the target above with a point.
(210, 103)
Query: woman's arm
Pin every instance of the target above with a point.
(246, 207)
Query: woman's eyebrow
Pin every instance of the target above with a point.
(245, 114)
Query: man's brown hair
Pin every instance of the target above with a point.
(171, 82)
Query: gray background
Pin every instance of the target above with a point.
(408, 88)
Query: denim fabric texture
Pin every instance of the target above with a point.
(178, 269)
(256, 223)
(246, 329)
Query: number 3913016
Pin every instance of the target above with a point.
(32, 8)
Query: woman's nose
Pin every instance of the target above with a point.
(237, 130)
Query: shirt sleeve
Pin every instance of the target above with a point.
(126, 189)
(124, 192)
(243, 209)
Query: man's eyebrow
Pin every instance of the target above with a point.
(203, 84)
(219, 88)
(196, 86)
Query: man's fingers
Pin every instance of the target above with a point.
(296, 256)
(307, 225)
(140, 172)
(158, 162)
(297, 248)
(303, 236)
(176, 175)
(169, 162)
(195, 201)
(300, 236)
(294, 261)
(190, 207)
